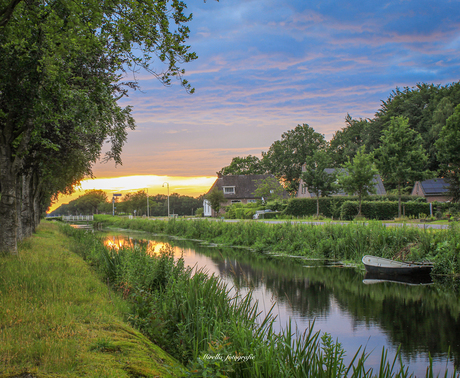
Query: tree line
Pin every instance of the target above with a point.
(97, 202)
(64, 68)
(414, 135)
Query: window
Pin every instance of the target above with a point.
(236, 201)
(252, 201)
(229, 190)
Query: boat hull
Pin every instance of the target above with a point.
(378, 265)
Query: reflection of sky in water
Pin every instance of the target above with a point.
(335, 320)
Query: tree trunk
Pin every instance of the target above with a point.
(399, 200)
(35, 198)
(317, 205)
(8, 213)
(19, 231)
(360, 198)
(26, 206)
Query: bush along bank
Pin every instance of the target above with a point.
(331, 241)
(212, 330)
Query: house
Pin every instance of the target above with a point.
(237, 189)
(303, 192)
(433, 190)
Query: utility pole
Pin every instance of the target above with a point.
(148, 212)
(168, 194)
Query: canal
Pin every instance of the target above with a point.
(420, 318)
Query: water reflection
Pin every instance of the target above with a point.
(421, 318)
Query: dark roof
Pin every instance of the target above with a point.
(435, 186)
(245, 185)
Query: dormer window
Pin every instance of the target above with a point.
(229, 189)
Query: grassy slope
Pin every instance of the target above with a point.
(57, 319)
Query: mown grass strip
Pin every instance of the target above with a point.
(58, 319)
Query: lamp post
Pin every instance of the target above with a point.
(167, 184)
(148, 212)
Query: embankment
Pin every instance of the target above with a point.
(58, 319)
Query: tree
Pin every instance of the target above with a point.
(345, 143)
(269, 189)
(401, 157)
(215, 198)
(316, 178)
(59, 94)
(357, 176)
(425, 105)
(249, 165)
(448, 146)
(285, 157)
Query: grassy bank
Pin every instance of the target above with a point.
(58, 319)
(344, 242)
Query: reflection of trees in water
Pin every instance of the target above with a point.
(306, 298)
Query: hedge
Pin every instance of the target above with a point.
(382, 210)
(331, 206)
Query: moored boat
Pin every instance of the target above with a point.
(380, 265)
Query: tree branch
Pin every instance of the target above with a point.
(6, 13)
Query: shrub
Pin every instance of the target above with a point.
(382, 210)
(331, 206)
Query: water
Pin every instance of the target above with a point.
(421, 319)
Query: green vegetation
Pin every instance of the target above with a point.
(59, 98)
(331, 241)
(212, 330)
(58, 319)
(357, 176)
(401, 157)
(448, 145)
(315, 177)
(285, 157)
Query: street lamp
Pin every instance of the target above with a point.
(148, 212)
(168, 194)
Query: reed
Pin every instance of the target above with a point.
(331, 241)
(213, 329)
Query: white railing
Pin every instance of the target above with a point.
(76, 218)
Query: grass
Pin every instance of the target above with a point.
(57, 318)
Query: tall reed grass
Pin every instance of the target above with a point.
(212, 329)
(345, 242)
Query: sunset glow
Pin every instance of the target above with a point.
(188, 186)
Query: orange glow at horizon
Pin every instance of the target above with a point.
(189, 186)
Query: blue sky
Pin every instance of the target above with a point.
(266, 66)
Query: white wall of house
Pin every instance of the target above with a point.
(207, 210)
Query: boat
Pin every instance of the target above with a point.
(380, 265)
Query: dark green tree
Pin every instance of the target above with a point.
(357, 175)
(448, 146)
(249, 165)
(269, 189)
(315, 177)
(345, 143)
(401, 158)
(285, 157)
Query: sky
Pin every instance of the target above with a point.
(264, 67)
